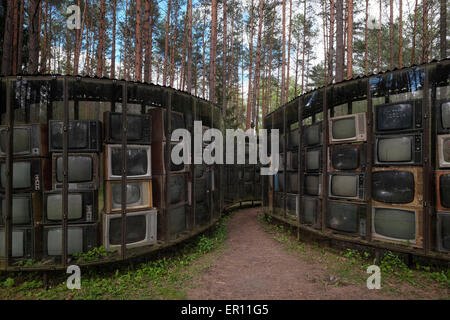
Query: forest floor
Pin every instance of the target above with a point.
(246, 256)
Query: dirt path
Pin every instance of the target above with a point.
(253, 265)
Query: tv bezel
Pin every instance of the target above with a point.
(439, 205)
(158, 156)
(438, 233)
(91, 185)
(320, 185)
(361, 133)
(146, 127)
(290, 160)
(440, 151)
(289, 178)
(316, 224)
(418, 221)
(40, 168)
(418, 185)
(361, 185)
(297, 208)
(38, 140)
(87, 245)
(320, 159)
(439, 126)
(362, 149)
(417, 155)
(362, 212)
(94, 138)
(35, 201)
(159, 190)
(109, 201)
(108, 158)
(151, 237)
(159, 124)
(417, 112)
(29, 250)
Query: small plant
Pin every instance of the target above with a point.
(92, 255)
(8, 283)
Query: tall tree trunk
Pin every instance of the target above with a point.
(379, 39)
(349, 39)
(258, 64)
(283, 48)
(425, 31)
(212, 52)
(413, 47)
(339, 41)
(166, 43)
(269, 75)
(249, 95)
(138, 40)
(296, 65)
(224, 60)
(331, 43)
(147, 8)
(183, 54)
(443, 29)
(101, 41)
(113, 49)
(174, 42)
(189, 47)
(366, 40)
(391, 34)
(400, 35)
(79, 41)
(203, 57)
(33, 37)
(304, 47)
(289, 50)
(45, 42)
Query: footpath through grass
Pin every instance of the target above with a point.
(164, 278)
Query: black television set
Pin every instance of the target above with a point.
(138, 163)
(443, 190)
(281, 162)
(312, 134)
(312, 184)
(246, 191)
(443, 116)
(293, 139)
(393, 186)
(292, 186)
(348, 157)
(80, 239)
(346, 185)
(83, 173)
(139, 195)
(199, 170)
(159, 156)
(311, 210)
(29, 175)
(139, 128)
(397, 224)
(398, 150)
(279, 181)
(313, 160)
(443, 231)
(82, 207)
(83, 136)
(249, 173)
(399, 116)
(22, 243)
(278, 201)
(201, 192)
(292, 160)
(292, 205)
(177, 220)
(281, 144)
(345, 217)
(141, 229)
(159, 123)
(29, 140)
(177, 189)
(26, 208)
(202, 213)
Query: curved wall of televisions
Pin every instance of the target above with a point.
(62, 178)
(370, 163)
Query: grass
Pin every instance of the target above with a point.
(349, 267)
(167, 277)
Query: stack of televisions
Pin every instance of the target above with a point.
(140, 215)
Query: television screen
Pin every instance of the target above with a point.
(444, 231)
(343, 128)
(395, 149)
(309, 211)
(80, 169)
(248, 174)
(342, 217)
(21, 140)
(200, 190)
(395, 117)
(21, 174)
(278, 200)
(393, 186)
(78, 134)
(313, 160)
(344, 185)
(312, 185)
(444, 146)
(55, 211)
(176, 190)
(293, 182)
(136, 229)
(137, 161)
(345, 157)
(444, 189)
(135, 127)
(202, 214)
(395, 223)
(293, 139)
(177, 220)
(21, 209)
(293, 160)
(18, 245)
(134, 195)
(312, 134)
(199, 169)
(74, 241)
(445, 115)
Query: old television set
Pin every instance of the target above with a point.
(443, 231)
(80, 239)
(278, 202)
(159, 123)
(83, 136)
(201, 191)
(159, 156)
(292, 186)
(279, 181)
(397, 224)
(199, 170)
(139, 128)
(141, 229)
(138, 162)
(312, 135)
(83, 173)
(398, 186)
(443, 146)
(29, 175)
(311, 211)
(443, 116)
(346, 217)
(292, 205)
(26, 208)
(348, 128)
(346, 185)
(293, 139)
(139, 195)
(178, 190)
(348, 157)
(82, 207)
(281, 162)
(443, 190)
(22, 243)
(312, 184)
(398, 150)
(292, 160)
(177, 220)
(29, 140)
(403, 116)
(313, 160)
(202, 213)
(249, 174)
